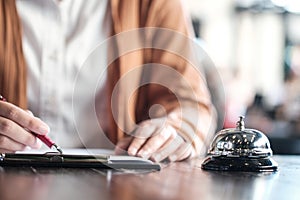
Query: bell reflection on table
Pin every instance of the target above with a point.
(240, 149)
(237, 185)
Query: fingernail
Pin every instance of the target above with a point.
(144, 154)
(157, 158)
(173, 158)
(30, 113)
(44, 129)
(132, 151)
(38, 144)
(27, 148)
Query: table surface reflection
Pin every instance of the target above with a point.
(181, 180)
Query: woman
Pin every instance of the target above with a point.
(44, 45)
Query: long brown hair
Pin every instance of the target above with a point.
(12, 62)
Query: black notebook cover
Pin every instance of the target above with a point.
(57, 160)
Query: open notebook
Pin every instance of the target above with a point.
(76, 158)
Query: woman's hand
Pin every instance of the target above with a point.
(15, 127)
(157, 140)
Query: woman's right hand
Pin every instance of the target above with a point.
(15, 127)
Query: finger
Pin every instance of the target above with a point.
(15, 132)
(183, 152)
(22, 118)
(123, 145)
(157, 141)
(6, 151)
(135, 145)
(10, 145)
(167, 149)
(140, 136)
(144, 130)
(29, 112)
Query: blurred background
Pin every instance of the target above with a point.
(255, 46)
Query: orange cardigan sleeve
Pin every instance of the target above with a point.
(178, 82)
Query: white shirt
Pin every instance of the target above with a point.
(58, 37)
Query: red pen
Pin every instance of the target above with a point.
(45, 139)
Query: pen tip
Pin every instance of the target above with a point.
(58, 148)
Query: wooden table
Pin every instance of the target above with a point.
(182, 180)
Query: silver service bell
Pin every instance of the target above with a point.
(240, 149)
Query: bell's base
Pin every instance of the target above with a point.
(222, 163)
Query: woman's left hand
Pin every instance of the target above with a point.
(157, 140)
